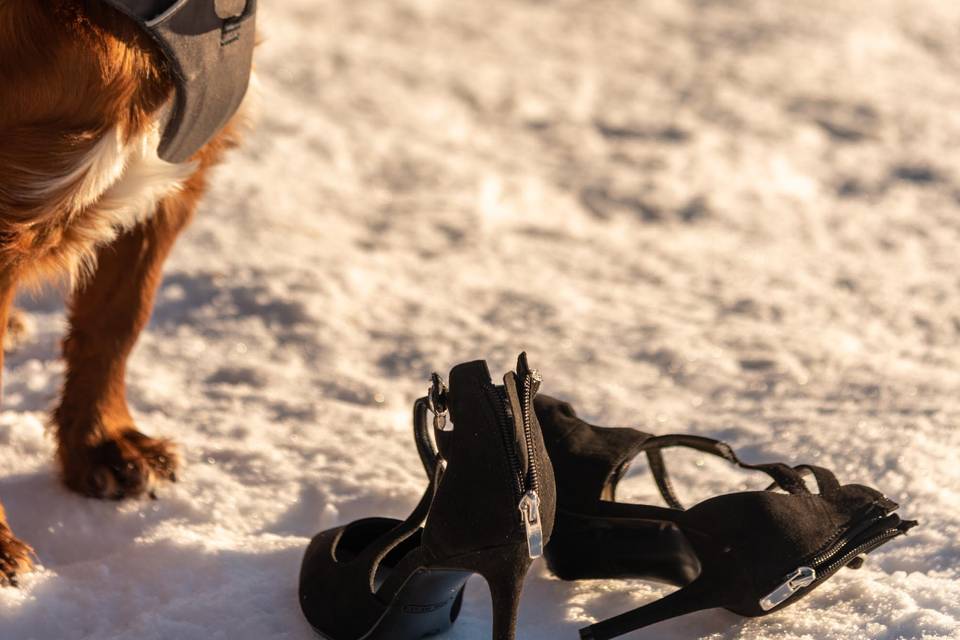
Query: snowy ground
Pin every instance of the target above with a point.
(738, 219)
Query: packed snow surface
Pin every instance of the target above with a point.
(737, 219)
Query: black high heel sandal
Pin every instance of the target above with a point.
(752, 552)
(489, 509)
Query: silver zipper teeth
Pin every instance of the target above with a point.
(528, 381)
(864, 547)
(823, 556)
(530, 503)
(503, 419)
(527, 495)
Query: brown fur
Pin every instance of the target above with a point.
(71, 70)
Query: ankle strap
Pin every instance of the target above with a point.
(429, 455)
(784, 476)
(379, 548)
(434, 402)
(788, 478)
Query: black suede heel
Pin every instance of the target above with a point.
(489, 509)
(752, 552)
(504, 570)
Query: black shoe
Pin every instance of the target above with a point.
(751, 552)
(489, 509)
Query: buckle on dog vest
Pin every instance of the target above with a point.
(209, 47)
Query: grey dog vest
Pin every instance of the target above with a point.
(209, 47)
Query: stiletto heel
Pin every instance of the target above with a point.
(489, 509)
(504, 571)
(505, 588)
(693, 597)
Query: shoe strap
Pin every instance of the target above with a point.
(378, 549)
(788, 478)
(382, 546)
(784, 476)
(827, 483)
(429, 455)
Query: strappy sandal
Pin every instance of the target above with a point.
(489, 509)
(751, 552)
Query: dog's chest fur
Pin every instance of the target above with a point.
(112, 188)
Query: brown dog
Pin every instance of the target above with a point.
(84, 197)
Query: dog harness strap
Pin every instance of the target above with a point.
(209, 47)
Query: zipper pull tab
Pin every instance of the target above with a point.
(802, 577)
(530, 515)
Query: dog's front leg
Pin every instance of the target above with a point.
(14, 554)
(100, 451)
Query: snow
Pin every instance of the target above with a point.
(738, 219)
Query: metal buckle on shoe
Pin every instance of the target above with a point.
(437, 403)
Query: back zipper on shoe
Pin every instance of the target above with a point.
(531, 384)
(526, 486)
(530, 503)
(825, 564)
(501, 407)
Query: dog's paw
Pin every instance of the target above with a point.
(125, 466)
(15, 558)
